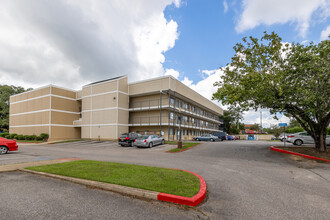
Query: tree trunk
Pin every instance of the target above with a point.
(320, 141)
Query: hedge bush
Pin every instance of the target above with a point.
(41, 137)
(3, 134)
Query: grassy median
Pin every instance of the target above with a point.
(184, 146)
(157, 179)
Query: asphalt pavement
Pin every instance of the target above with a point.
(245, 180)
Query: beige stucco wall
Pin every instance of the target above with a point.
(104, 109)
(36, 130)
(30, 94)
(30, 105)
(149, 86)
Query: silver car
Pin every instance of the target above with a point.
(149, 141)
(303, 138)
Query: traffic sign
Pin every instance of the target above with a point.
(283, 124)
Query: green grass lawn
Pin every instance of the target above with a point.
(184, 146)
(164, 180)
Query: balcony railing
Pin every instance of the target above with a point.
(155, 104)
(148, 121)
(77, 123)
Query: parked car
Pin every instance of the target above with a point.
(206, 137)
(229, 138)
(220, 135)
(303, 138)
(127, 139)
(7, 145)
(149, 141)
(283, 137)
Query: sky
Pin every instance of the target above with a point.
(71, 43)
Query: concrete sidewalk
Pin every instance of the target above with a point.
(13, 167)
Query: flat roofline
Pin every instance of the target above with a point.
(43, 87)
(104, 81)
(152, 79)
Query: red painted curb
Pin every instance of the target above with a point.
(297, 154)
(183, 149)
(190, 201)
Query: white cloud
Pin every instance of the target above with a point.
(258, 12)
(253, 117)
(225, 6)
(205, 86)
(325, 33)
(70, 43)
(172, 72)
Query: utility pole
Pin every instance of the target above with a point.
(261, 121)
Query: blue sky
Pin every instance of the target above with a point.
(71, 43)
(207, 35)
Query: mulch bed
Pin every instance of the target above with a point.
(308, 151)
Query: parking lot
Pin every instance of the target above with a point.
(245, 180)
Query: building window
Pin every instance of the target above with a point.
(172, 101)
(185, 118)
(172, 115)
(171, 131)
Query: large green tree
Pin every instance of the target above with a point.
(5, 92)
(289, 78)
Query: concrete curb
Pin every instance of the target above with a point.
(273, 148)
(183, 149)
(192, 201)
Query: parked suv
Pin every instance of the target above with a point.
(127, 139)
(220, 135)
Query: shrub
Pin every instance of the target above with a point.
(20, 137)
(13, 136)
(39, 138)
(294, 130)
(328, 131)
(26, 137)
(7, 136)
(3, 134)
(33, 137)
(44, 136)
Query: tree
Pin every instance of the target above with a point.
(231, 118)
(293, 79)
(255, 127)
(5, 92)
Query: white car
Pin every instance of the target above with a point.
(303, 138)
(283, 137)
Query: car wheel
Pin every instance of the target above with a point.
(211, 140)
(150, 145)
(197, 139)
(163, 142)
(3, 149)
(298, 142)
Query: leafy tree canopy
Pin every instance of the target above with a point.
(289, 78)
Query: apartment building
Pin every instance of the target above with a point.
(103, 110)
